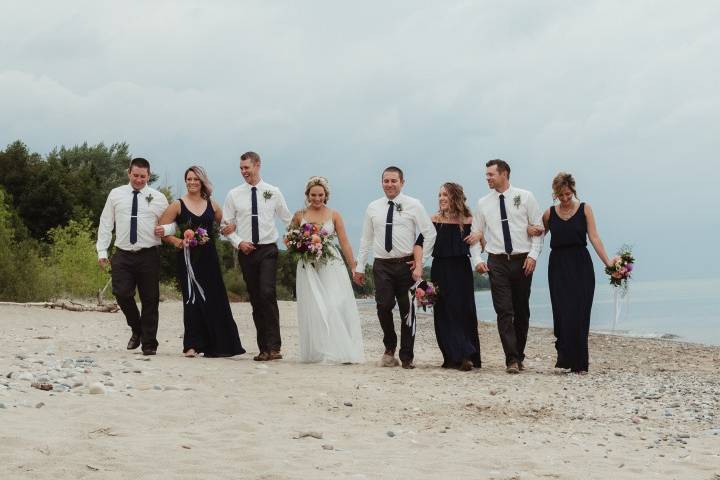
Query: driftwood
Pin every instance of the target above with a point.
(69, 305)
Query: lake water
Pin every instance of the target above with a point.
(688, 310)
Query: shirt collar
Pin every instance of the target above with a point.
(258, 186)
(395, 200)
(507, 192)
(142, 191)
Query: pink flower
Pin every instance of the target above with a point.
(419, 293)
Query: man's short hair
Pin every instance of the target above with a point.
(393, 169)
(140, 163)
(250, 156)
(501, 165)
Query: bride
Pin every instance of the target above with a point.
(328, 319)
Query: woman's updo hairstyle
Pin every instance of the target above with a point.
(315, 182)
(563, 180)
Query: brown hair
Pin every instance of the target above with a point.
(501, 165)
(250, 156)
(393, 169)
(206, 186)
(140, 163)
(563, 180)
(317, 182)
(458, 201)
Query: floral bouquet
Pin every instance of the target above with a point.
(309, 242)
(426, 294)
(193, 238)
(621, 271)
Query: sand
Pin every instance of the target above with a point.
(648, 408)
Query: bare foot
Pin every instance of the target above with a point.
(191, 353)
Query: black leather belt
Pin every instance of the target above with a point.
(409, 258)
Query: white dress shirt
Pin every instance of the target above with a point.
(522, 210)
(238, 210)
(409, 218)
(116, 214)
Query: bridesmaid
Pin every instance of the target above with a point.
(456, 325)
(209, 325)
(570, 272)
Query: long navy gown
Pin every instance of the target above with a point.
(209, 324)
(571, 278)
(455, 316)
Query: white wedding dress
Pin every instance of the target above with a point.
(328, 318)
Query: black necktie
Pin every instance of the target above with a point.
(254, 216)
(388, 226)
(133, 218)
(505, 226)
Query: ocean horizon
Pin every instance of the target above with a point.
(684, 310)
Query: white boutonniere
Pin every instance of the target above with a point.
(516, 201)
(399, 207)
(149, 198)
(267, 195)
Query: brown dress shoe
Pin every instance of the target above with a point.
(521, 367)
(134, 341)
(262, 357)
(513, 368)
(275, 355)
(465, 366)
(408, 364)
(149, 351)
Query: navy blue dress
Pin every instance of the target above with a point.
(209, 324)
(571, 278)
(455, 316)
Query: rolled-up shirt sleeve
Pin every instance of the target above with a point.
(282, 211)
(478, 226)
(535, 218)
(366, 242)
(105, 228)
(229, 213)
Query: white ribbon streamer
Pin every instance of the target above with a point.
(191, 280)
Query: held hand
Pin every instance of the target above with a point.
(482, 267)
(528, 266)
(103, 262)
(411, 264)
(359, 278)
(159, 231)
(417, 273)
(613, 261)
(247, 247)
(535, 230)
(473, 238)
(179, 243)
(228, 228)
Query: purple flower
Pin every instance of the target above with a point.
(307, 227)
(201, 231)
(193, 243)
(629, 267)
(323, 232)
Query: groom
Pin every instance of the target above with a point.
(133, 211)
(390, 229)
(503, 216)
(252, 209)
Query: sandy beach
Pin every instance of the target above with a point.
(648, 408)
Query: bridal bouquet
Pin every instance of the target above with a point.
(426, 294)
(309, 242)
(621, 271)
(193, 238)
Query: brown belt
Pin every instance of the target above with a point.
(409, 258)
(508, 257)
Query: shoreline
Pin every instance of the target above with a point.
(648, 407)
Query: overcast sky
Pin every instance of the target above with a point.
(623, 94)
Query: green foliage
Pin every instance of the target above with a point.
(21, 276)
(72, 262)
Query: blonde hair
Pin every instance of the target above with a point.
(317, 181)
(563, 180)
(206, 188)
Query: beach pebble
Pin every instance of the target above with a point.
(157, 387)
(40, 405)
(77, 384)
(328, 447)
(25, 376)
(390, 433)
(97, 388)
(2, 405)
(317, 435)
(348, 404)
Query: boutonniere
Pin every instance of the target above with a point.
(267, 195)
(149, 198)
(516, 201)
(399, 207)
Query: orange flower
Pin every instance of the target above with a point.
(189, 234)
(315, 239)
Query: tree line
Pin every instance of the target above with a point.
(49, 210)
